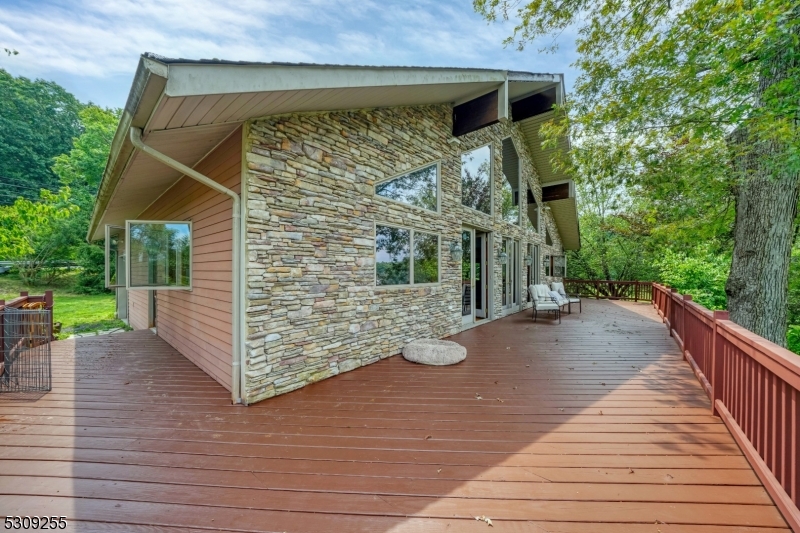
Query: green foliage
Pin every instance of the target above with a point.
(91, 278)
(794, 286)
(701, 272)
(38, 120)
(82, 166)
(37, 234)
(793, 338)
(40, 232)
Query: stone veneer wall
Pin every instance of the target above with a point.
(314, 310)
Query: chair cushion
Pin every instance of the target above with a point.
(557, 298)
(542, 293)
(559, 288)
(547, 306)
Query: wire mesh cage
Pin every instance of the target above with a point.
(25, 358)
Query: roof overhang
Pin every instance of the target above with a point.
(187, 108)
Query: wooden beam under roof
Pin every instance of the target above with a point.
(533, 105)
(475, 114)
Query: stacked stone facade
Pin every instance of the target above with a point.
(313, 308)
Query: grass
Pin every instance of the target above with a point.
(78, 313)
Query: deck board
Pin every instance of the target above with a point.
(596, 424)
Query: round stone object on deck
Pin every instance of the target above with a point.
(434, 352)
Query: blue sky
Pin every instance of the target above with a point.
(91, 47)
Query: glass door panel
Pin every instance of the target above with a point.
(510, 273)
(467, 275)
(481, 276)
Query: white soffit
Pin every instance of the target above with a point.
(202, 103)
(145, 179)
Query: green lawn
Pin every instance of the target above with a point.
(78, 313)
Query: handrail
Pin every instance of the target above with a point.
(753, 385)
(610, 289)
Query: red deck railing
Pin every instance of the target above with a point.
(636, 291)
(17, 303)
(754, 386)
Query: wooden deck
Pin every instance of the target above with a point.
(594, 425)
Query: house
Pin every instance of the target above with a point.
(279, 224)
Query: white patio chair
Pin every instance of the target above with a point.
(542, 301)
(571, 298)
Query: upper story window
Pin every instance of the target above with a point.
(509, 193)
(476, 179)
(419, 188)
(532, 220)
(509, 206)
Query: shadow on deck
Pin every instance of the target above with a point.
(596, 424)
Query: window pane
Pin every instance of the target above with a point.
(509, 206)
(476, 190)
(426, 258)
(558, 266)
(466, 273)
(160, 254)
(416, 188)
(392, 250)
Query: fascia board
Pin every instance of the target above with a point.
(148, 86)
(195, 80)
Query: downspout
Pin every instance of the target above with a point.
(236, 318)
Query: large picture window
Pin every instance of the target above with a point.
(418, 188)
(394, 250)
(476, 179)
(159, 254)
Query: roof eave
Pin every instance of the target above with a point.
(148, 87)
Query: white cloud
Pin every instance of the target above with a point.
(102, 39)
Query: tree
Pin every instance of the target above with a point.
(704, 72)
(81, 169)
(38, 120)
(82, 166)
(35, 234)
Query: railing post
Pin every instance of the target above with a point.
(2, 339)
(717, 362)
(48, 304)
(686, 298)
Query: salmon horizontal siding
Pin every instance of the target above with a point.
(137, 309)
(198, 323)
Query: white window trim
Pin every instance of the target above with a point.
(491, 179)
(411, 257)
(438, 164)
(107, 262)
(128, 261)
